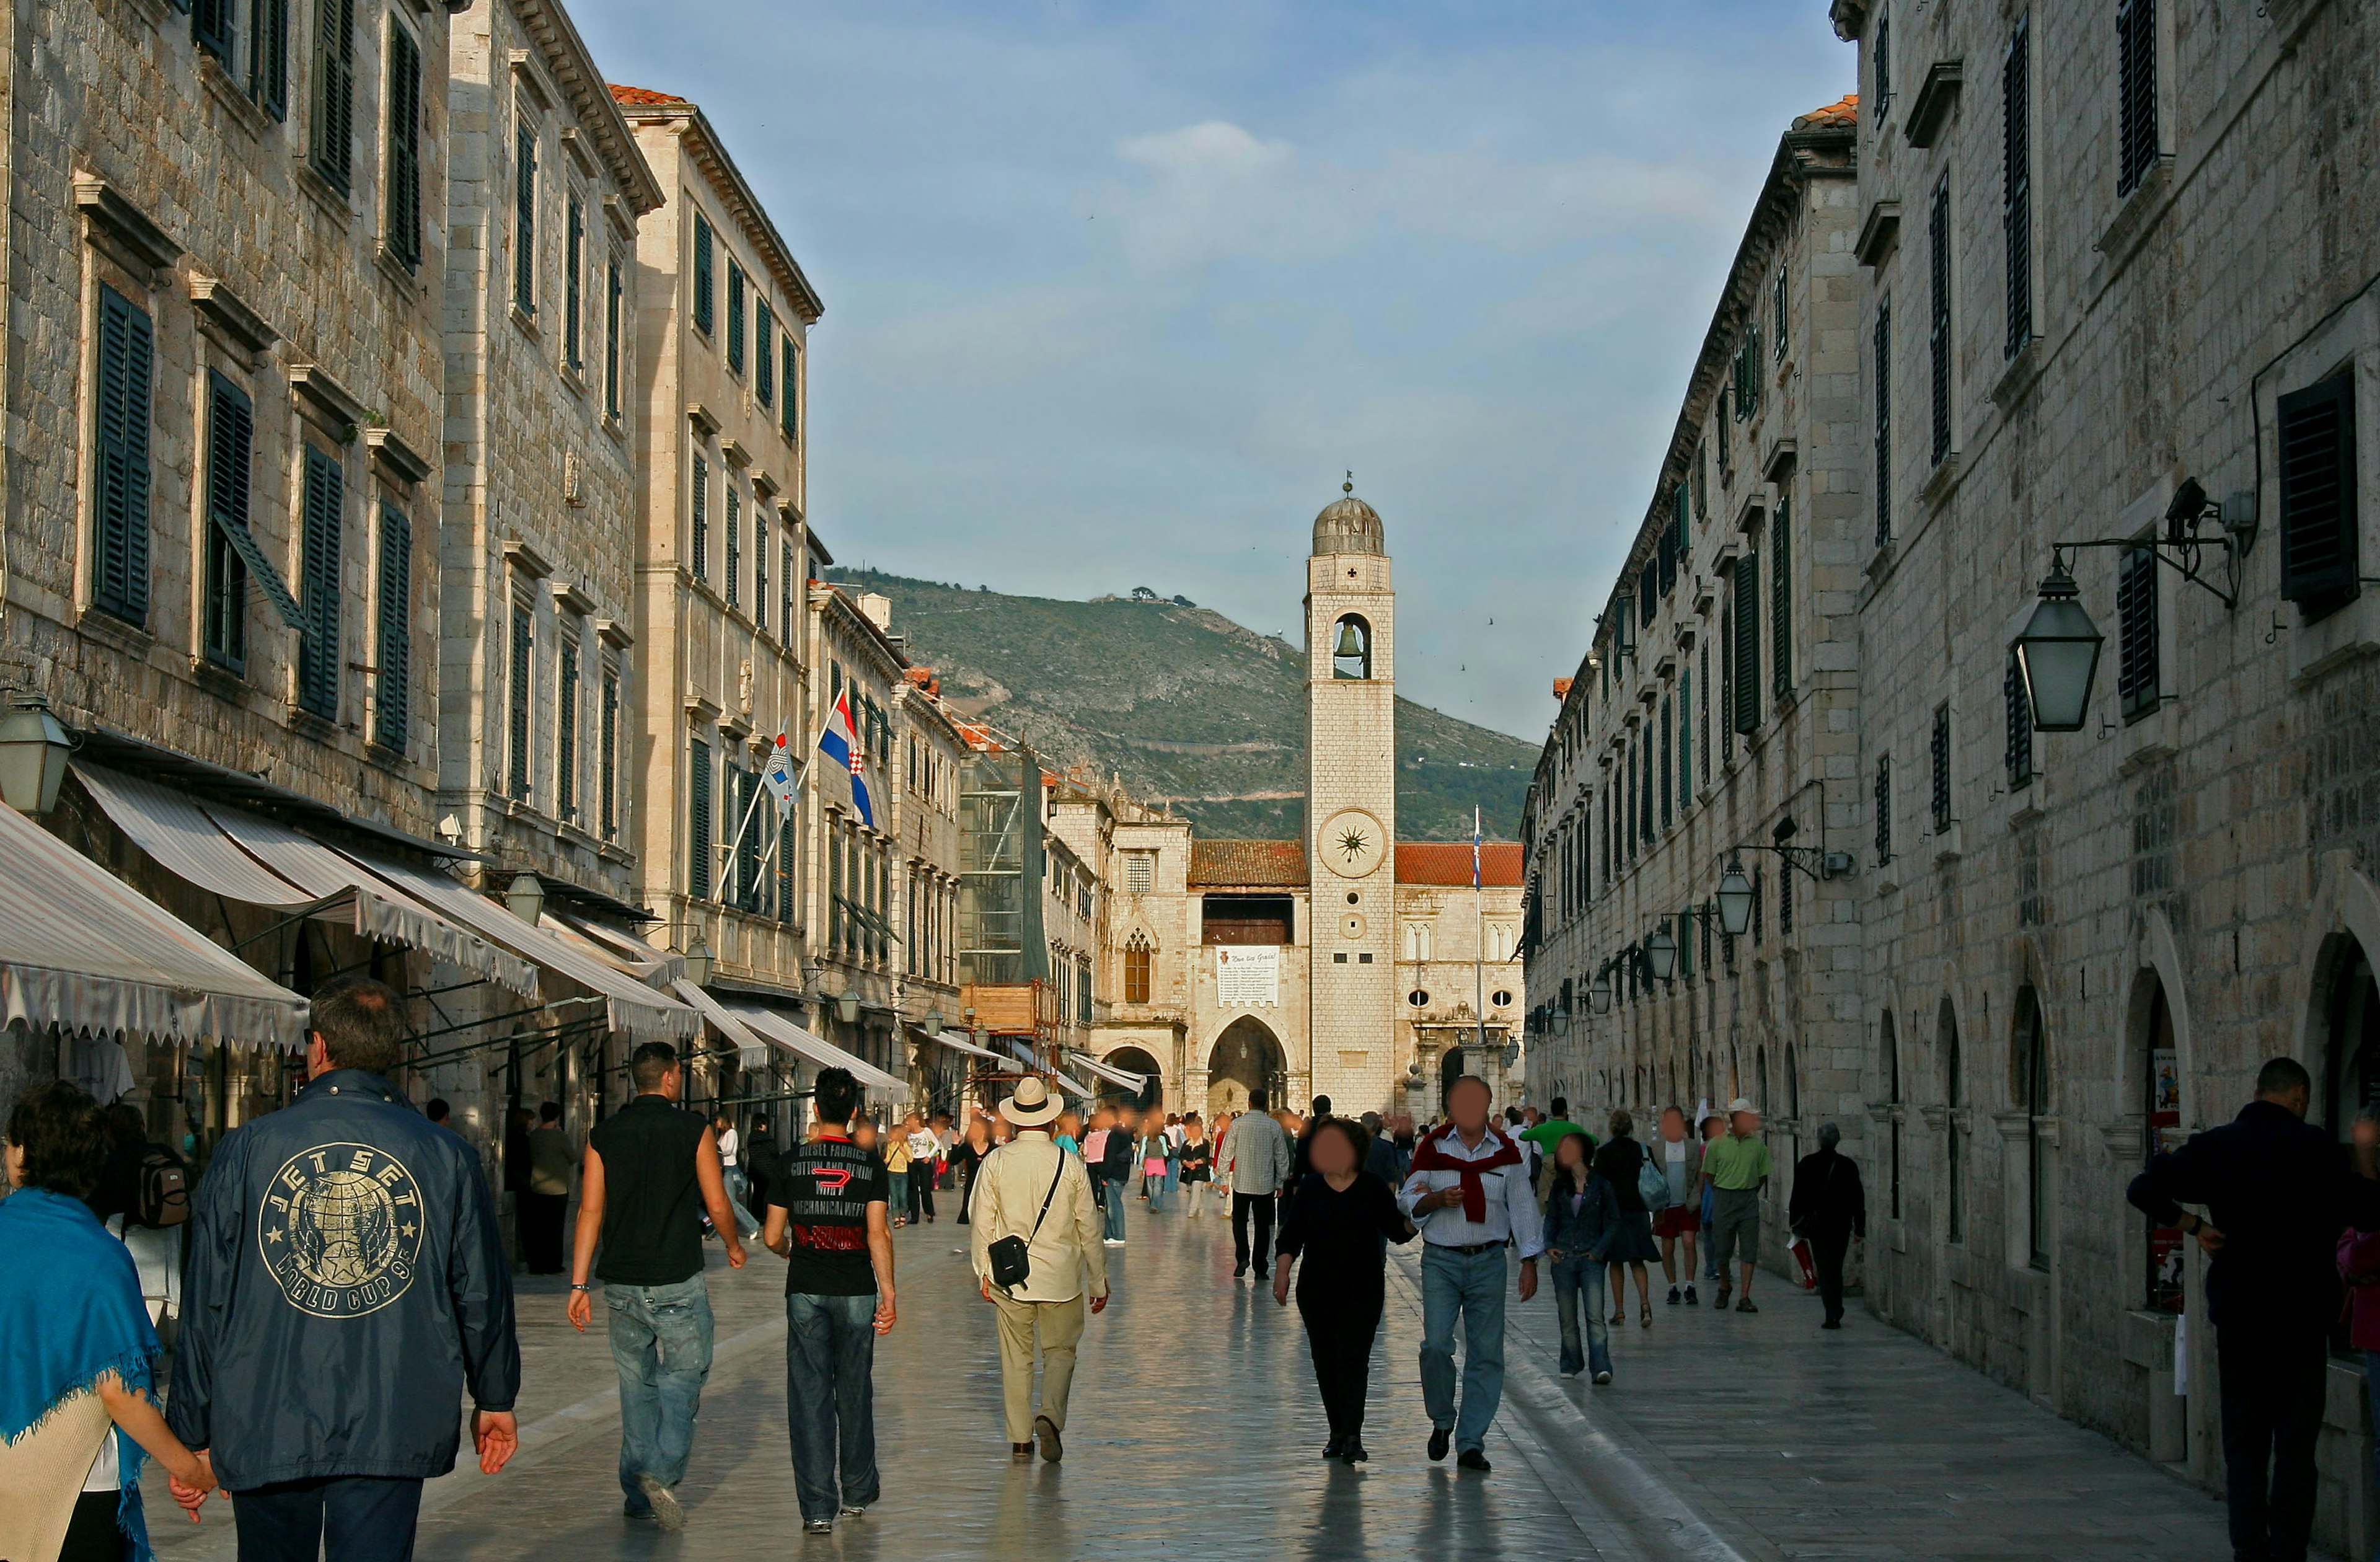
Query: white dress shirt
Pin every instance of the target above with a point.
(1511, 1205)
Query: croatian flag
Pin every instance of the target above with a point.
(839, 741)
(1475, 848)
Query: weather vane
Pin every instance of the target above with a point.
(1348, 487)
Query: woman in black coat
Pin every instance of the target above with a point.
(1337, 1219)
(1631, 1245)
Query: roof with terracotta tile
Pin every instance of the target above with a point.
(1842, 111)
(642, 95)
(1247, 865)
(1448, 863)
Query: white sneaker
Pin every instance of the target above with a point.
(1110, 1241)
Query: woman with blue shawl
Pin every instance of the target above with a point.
(78, 1355)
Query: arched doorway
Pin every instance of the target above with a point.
(2350, 1076)
(1245, 1057)
(1450, 1068)
(1133, 1060)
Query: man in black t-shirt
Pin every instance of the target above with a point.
(829, 1219)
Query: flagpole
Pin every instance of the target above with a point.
(1479, 941)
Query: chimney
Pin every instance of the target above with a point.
(878, 609)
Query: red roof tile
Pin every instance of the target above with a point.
(1843, 111)
(1248, 864)
(644, 96)
(1448, 863)
(1562, 689)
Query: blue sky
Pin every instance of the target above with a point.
(1114, 293)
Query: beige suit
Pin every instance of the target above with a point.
(1067, 1260)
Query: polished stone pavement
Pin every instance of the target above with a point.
(1196, 1431)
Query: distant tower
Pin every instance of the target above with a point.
(1350, 804)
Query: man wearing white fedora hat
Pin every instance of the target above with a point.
(1032, 1191)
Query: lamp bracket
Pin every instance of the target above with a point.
(2190, 530)
(1815, 860)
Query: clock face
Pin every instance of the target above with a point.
(1352, 843)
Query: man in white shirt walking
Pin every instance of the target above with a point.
(1257, 1157)
(1030, 1188)
(1469, 1192)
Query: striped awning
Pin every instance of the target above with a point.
(1109, 1071)
(776, 1028)
(750, 1051)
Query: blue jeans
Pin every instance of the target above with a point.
(1157, 1188)
(1473, 1285)
(660, 1342)
(739, 1197)
(1113, 1213)
(1578, 1281)
(831, 1399)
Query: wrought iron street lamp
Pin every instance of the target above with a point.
(525, 898)
(699, 960)
(1661, 954)
(1734, 901)
(33, 750)
(2059, 654)
(1601, 991)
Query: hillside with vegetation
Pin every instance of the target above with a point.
(1192, 709)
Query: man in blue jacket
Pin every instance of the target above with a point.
(346, 1282)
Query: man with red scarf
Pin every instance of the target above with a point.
(1469, 1192)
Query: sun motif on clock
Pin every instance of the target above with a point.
(1352, 843)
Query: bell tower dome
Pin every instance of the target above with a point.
(1350, 804)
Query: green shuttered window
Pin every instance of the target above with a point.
(403, 159)
(393, 649)
(320, 649)
(1747, 643)
(334, 93)
(120, 486)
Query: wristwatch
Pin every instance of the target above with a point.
(582, 1288)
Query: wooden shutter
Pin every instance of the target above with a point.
(1685, 736)
(704, 317)
(788, 412)
(612, 337)
(1747, 643)
(760, 568)
(404, 146)
(764, 359)
(335, 95)
(574, 245)
(1781, 597)
(1941, 757)
(268, 55)
(2136, 92)
(565, 720)
(735, 315)
(524, 216)
(701, 519)
(734, 543)
(519, 696)
(747, 845)
(2136, 615)
(392, 652)
(320, 652)
(1883, 348)
(231, 434)
(2019, 709)
(2321, 559)
(2016, 184)
(212, 26)
(697, 822)
(1883, 805)
(1937, 232)
(608, 757)
(120, 489)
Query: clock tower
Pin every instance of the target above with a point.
(1351, 807)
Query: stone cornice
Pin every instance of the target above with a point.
(701, 144)
(108, 210)
(564, 54)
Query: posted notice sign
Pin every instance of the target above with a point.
(1247, 975)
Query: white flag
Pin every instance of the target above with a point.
(779, 776)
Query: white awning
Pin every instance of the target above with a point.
(953, 1040)
(653, 967)
(260, 861)
(82, 950)
(749, 1050)
(775, 1027)
(1125, 1076)
(632, 1008)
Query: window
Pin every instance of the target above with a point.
(120, 483)
(1941, 751)
(1784, 900)
(2019, 708)
(1664, 764)
(764, 362)
(319, 650)
(697, 822)
(734, 543)
(524, 216)
(518, 692)
(392, 632)
(1955, 1150)
(1883, 805)
(2136, 92)
(1685, 736)
(1884, 421)
(231, 550)
(1759, 905)
(1082, 990)
(612, 337)
(268, 53)
(1938, 238)
(701, 507)
(2320, 558)
(703, 286)
(2136, 616)
(1747, 620)
(2033, 1080)
(214, 24)
(785, 849)
(787, 625)
(402, 162)
(334, 91)
(1727, 683)
(1780, 598)
(1780, 308)
(1350, 648)
(566, 733)
(1883, 55)
(573, 244)
(1891, 1046)
(760, 566)
(1139, 872)
(788, 416)
(607, 757)
(1747, 376)
(734, 316)
(1703, 714)
(2016, 184)
(747, 841)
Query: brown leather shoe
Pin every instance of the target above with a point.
(1053, 1446)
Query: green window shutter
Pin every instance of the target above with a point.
(2321, 563)
(734, 545)
(517, 717)
(735, 315)
(608, 757)
(2138, 683)
(612, 337)
(392, 652)
(760, 568)
(231, 434)
(120, 492)
(268, 60)
(747, 845)
(703, 286)
(1667, 811)
(212, 26)
(764, 361)
(404, 160)
(697, 822)
(701, 519)
(1780, 599)
(1746, 682)
(335, 95)
(574, 243)
(525, 217)
(1685, 737)
(319, 650)
(788, 413)
(565, 727)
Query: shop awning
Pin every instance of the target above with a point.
(956, 1042)
(776, 1028)
(751, 1052)
(82, 950)
(261, 862)
(1125, 1076)
(632, 1008)
(632, 954)
(1032, 1062)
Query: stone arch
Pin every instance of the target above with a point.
(1351, 647)
(1137, 1060)
(1248, 1056)
(1139, 965)
(2347, 911)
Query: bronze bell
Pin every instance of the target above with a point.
(1350, 643)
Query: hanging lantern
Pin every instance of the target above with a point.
(2059, 654)
(1661, 954)
(1735, 901)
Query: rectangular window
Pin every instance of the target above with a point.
(1937, 232)
(1941, 751)
(734, 316)
(566, 733)
(1780, 598)
(1747, 643)
(524, 216)
(2136, 90)
(2016, 184)
(268, 55)
(1781, 301)
(1664, 764)
(1702, 712)
(699, 829)
(747, 845)
(1727, 683)
(403, 163)
(120, 483)
(335, 91)
(1784, 901)
(573, 244)
(1883, 805)
(788, 416)
(1884, 421)
(1685, 737)
(2137, 671)
(785, 870)
(2320, 562)
(612, 337)
(1883, 63)
(319, 651)
(702, 508)
(734, 521)
(703, 286)
(760, 568)
(231, 434)
(764, 361)
(607, 758)
(215, 26)
(392, 632)
(519, 694)
(787, 625)
(2018, 707)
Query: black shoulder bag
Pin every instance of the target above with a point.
(1012, 1263)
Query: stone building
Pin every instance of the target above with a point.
(929, 748)
(1711, 725)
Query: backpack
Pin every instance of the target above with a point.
(1652, 1182)
(161, 1189)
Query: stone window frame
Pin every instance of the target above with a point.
(106, 264)
(2348, 343)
